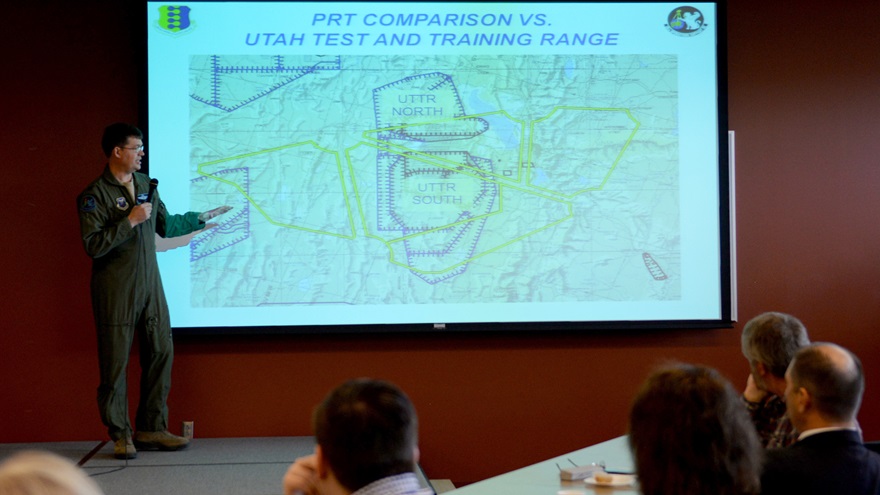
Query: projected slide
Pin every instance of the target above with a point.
(469, 168)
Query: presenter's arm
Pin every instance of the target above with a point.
(216, 212)
(168, 225)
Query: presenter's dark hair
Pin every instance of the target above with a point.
(690, 434)
(117, 135)
(367, 430)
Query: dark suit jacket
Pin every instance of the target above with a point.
(835, 462)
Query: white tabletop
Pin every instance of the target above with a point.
(543, 478)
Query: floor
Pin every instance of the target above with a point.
(219, 466)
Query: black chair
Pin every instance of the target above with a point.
(874, 445)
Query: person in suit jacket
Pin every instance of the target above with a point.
(824, 387)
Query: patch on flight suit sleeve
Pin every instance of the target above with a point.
(87, 204)
(121, 203)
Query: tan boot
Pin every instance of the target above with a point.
(159, 440)
(124, 449)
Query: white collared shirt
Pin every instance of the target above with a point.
(816, 431)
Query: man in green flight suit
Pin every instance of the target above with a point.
(118, 225)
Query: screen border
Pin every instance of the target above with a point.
(725, 232)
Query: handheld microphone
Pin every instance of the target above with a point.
(153, 184)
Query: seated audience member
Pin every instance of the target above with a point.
(824, 392)
(769, 341)
(690, 435)
(366, 432)
(44, 473)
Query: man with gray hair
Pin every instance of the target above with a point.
(769, 342)
(825, 384)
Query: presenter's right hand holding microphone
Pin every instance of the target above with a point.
(141, 213)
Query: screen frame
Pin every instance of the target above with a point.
(725, 218)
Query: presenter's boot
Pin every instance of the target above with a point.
(159, 440)
(124, 449)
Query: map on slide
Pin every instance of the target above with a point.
(454, 179)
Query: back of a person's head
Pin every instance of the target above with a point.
(367, 430)
(691, 435)
(834, 378)
(44, 473)
(773, 339)
(116, 135)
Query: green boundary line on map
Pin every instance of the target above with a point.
(437, 161)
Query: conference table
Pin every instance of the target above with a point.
(543, 478)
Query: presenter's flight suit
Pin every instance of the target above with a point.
(127, 295)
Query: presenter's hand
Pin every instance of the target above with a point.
(302, 476)
(140, 213)
(216, 212)
(752, 393)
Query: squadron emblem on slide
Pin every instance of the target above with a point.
(686, 21)
(174, 19)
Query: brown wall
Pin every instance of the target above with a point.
(804, 102)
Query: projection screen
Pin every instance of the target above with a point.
(439, 165)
